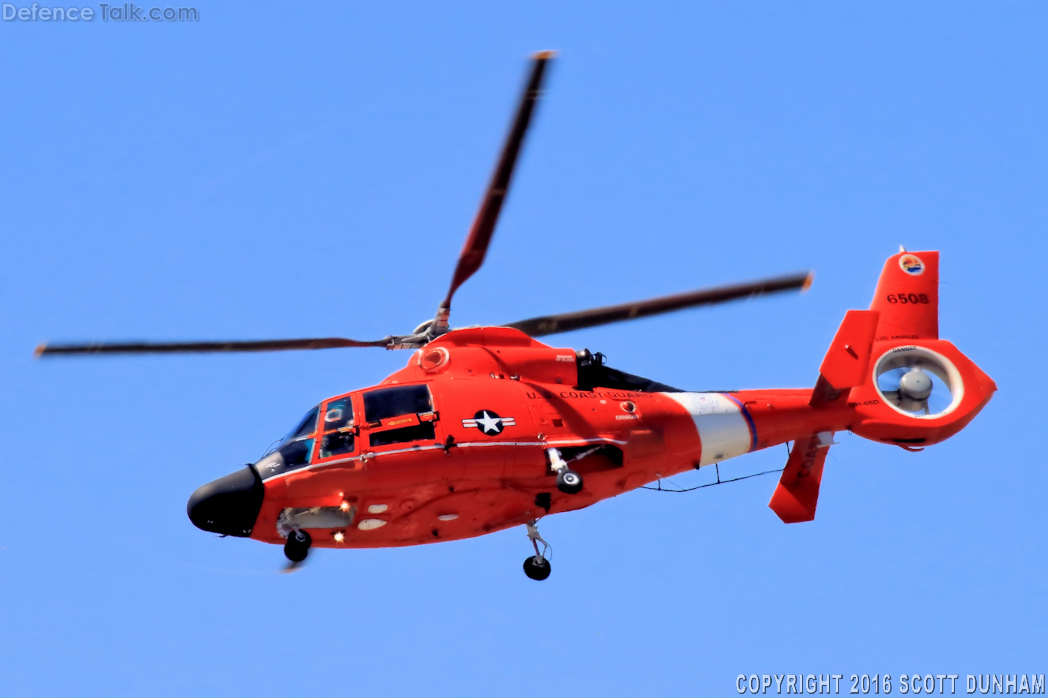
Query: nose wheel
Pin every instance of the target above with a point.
(537, 567)
(297, 547)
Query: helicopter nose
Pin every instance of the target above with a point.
(228, 505)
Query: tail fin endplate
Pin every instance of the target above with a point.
(848, 358)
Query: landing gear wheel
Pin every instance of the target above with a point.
(569, 482)
(297, 547)
(537, 568)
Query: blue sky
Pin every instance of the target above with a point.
(295, 171)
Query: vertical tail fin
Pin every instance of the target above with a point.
(797, 495)
(907, 297)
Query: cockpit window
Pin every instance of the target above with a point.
(338, 428)
(291, 455)
(393, 402)
(338, 414)
(295, 450)
(296, 453)
(306, 427)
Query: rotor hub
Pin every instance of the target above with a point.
(916, 385)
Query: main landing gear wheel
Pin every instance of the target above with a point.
(569, 482)
(297, 547)
(537, 568)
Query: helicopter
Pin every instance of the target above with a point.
(487, 428)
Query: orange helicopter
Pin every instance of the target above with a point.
(487, 428)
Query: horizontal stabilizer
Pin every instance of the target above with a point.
(797, 495)
(848, 358)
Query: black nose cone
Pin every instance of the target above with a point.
(229, 505)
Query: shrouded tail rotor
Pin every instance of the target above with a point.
(917, 382)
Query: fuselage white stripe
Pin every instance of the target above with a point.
(722, 429)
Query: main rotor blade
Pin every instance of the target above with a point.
(202, 347)
(472, 255)
(551, 324)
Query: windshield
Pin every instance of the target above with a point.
(306, 427)
(294, 451)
